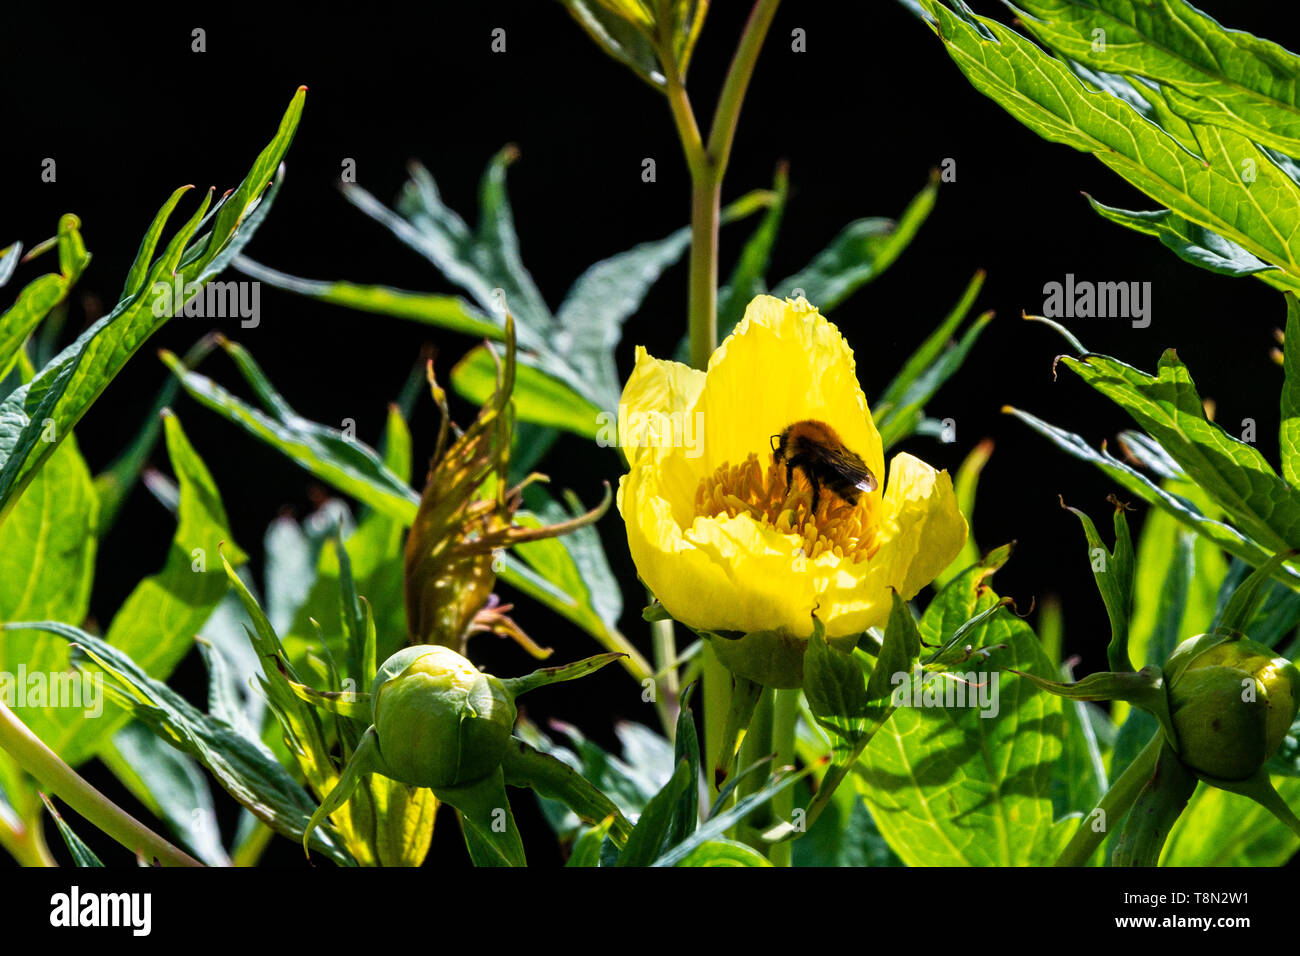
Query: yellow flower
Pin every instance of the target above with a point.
(714, 530)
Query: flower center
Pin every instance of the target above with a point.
(845, 530)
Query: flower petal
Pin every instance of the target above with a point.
(784, 363)
(923, 528)
(657, 407)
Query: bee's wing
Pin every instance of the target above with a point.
(851, 468)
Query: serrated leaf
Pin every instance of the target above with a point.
(246, 770)
(39, 415)
(441, 311)
(1195, 244)
(43, 295)
(1233, 473)
(1180, 508)
(327, 453)
(1210, 74)
(1229, 185)
(949, 786)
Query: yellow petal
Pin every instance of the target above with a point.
(923, 530)
(784, 363)
(658, 405)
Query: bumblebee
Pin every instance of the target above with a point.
(816, 449)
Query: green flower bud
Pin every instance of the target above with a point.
(1232, 702)
(441, 722)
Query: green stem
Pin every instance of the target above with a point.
(1117, 801)
(64, 782)
(756, 745)
(668, 691)
(785, 716)
(706, 205)
(717, 701)
(727, 115)
(26, 844)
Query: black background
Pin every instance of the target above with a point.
(129, 113)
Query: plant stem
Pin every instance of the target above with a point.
(26, 844)
(61, 780)
(756, 745)
(717, 701)
(706, 206)
(1117, 801)
(668, 692)
(785, 716)
(727, 115)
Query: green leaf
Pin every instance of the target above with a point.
(327, 453)
(115, 482)
(927, 354)
(441, 311)
(39, 415)
(647, 838)
(43, 295)
(625, 31)
(1195, 244)
(1080, 779)
(1275, 619)
(247, 771)
(555, 781)
(836, 690)
(9, 257)
(863, 249)
(1229, 185)
(964, 484)
(723, 853)
(156, 624)
(1175, 584)
(716, 826)
(586, 849)
(303, 733)
(483, 806)
(481, 260)
(686, 747)
(47, 556)
(1113, 570)
(1247, 597)
(1235, 474)
(82, 855)
(950, 786)
(538, 396)
(902, 417)
(1219, 828)
(1180, 508)
(1289, 431)
(604, 297)
(171, 785)
(1210, 74)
